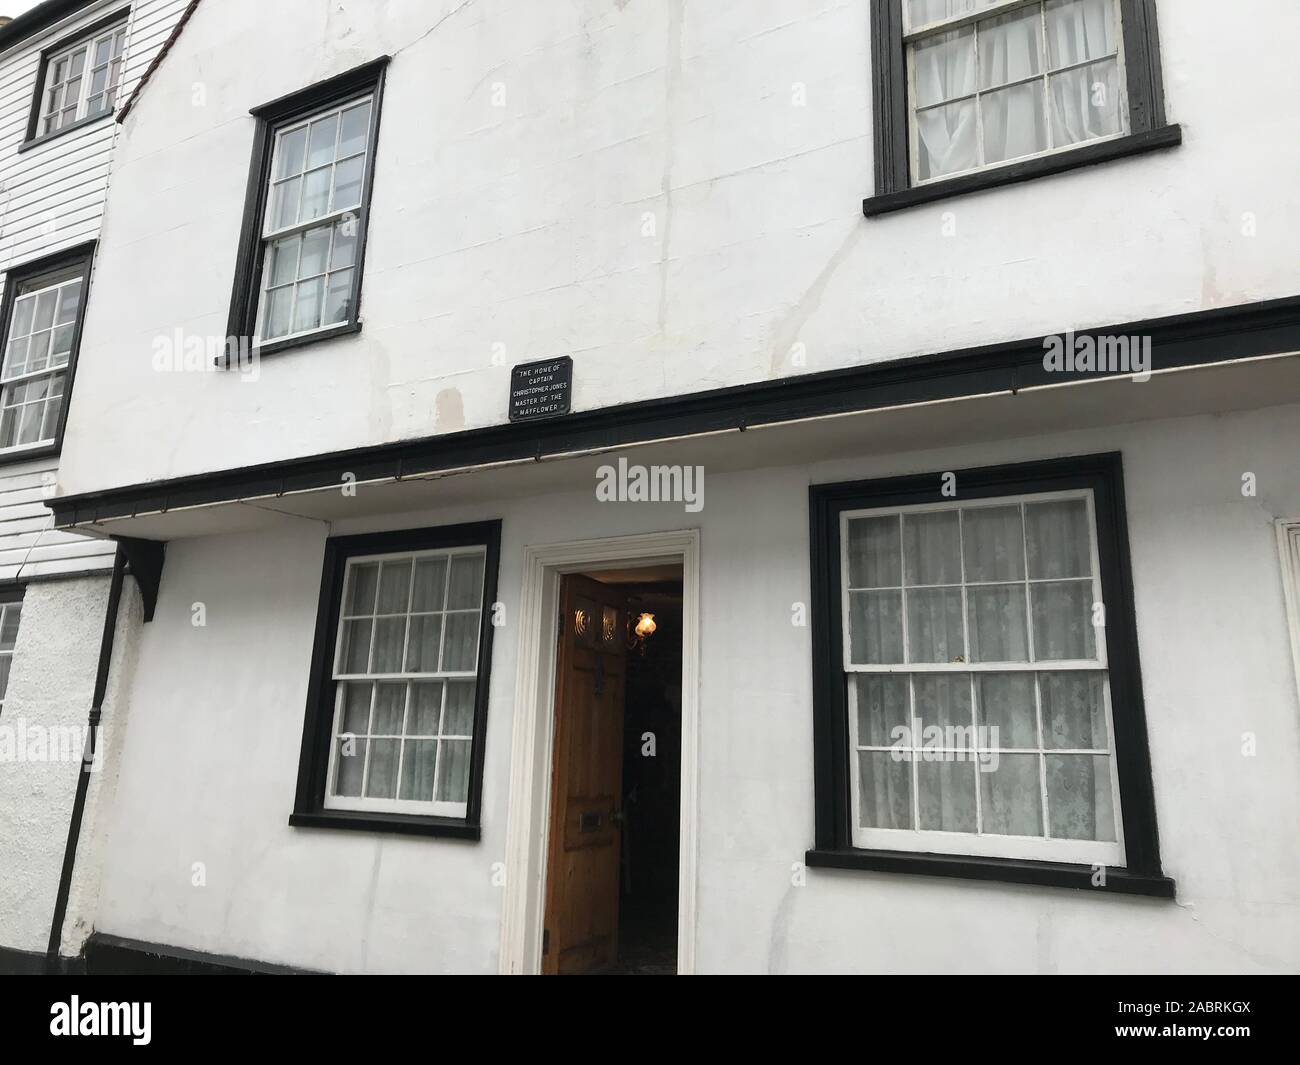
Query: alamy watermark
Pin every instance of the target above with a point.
(651, 484)
(945, 743)
(1068, 353)
(180, 351)
(21, 741)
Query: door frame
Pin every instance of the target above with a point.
(528, 819)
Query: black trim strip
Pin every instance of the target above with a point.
(1197, 339)
(87, 759)
(1002, 870)
(107, 955)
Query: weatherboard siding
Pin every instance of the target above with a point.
(52, 198)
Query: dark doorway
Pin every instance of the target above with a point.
(613, 852)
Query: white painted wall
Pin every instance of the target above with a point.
(209, 772)
(52, 198)
(51, 687)
(526, 224)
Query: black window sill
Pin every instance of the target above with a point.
(81, 123)
(1008, 870)
(277, 346)
(403, 824)
(45, 451)
(995, 177)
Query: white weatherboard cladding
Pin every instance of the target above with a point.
(51, 198)
(670, 192)
(217, 715)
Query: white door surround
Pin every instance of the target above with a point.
(531, 741)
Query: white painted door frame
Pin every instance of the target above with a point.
(533, 733)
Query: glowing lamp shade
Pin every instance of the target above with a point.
(645, 625)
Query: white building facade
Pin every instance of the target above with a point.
(959, 343)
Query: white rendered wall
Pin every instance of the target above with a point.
(216, 720)
(649, 196)
(51, 688)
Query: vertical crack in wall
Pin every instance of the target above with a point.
(672, 87)
(786, 334)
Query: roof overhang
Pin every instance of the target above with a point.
(1235, 358)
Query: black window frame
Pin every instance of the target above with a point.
(242, 322)
(1102, 474)
(1148, 127)
(309, 809)
(11, 592)
(82, 255)
(33, 138)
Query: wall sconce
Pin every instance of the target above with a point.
(644, 627)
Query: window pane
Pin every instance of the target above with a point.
(934, 625)
(390, 642)
(9, 628)
(279, 313)
(1063, 621)
(306, 304)
(348, 177)
(465, 589)
(320, 143)
(931, 547)
(1079, 800)
(419, 759)
(338, 298)
(426, 708)
(921, 12)
(1078, 30)
(875, 558)
(1085, 103)
(381, 779)
(23, 309)
(458, 720)
(1058, 539)
(944, 66)
(944, 700)
(345, 244)
(997, 625)
(460, 642)
(315, 194)
(69, 300)
(356, 646)
(1074, 711)
(453, 773)
(284, 260)
(315, 252)
(884, 790)
(45, 305)
(422, 647)
(390, 710)
(362, 581)
(430, 580)
(882, 706)
(1010, 47)
(1013, 122)
(289, 153)
(356, 126)
(351, 767)
(284, 203)
(946, 140)
(1011, 797)
(875, 627)
(356, 708)
(394, 587)
(1005, 702)
(946, 795)
(995, 544)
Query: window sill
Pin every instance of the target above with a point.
(1102, 152)
(1012, 871)
(27, 454)
(81, 123)
(404, 824)
(277, 346)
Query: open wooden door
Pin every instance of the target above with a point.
(581, 919)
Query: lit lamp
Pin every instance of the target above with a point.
(645, 626)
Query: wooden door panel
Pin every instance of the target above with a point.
(586, 779)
